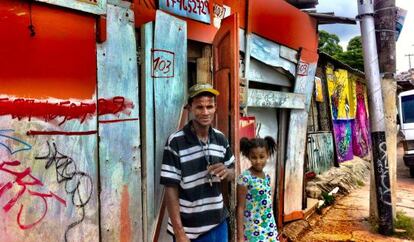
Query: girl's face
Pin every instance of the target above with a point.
(258, 157)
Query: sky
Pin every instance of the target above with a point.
(349, 8)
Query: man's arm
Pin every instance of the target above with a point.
(173, 207)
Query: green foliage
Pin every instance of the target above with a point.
(354, 44)
(329, 43)
(353, 56)
(405, 223)
(329, 199)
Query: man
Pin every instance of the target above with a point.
(196, 160)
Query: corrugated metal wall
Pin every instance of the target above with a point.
(69, 134)
(48, 125)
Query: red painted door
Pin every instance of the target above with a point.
(226, 80)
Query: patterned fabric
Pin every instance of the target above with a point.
(259, 222)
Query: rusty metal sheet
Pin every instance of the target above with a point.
(55, 169)
(297, 140)
(90, 6)
(289, 54)
(260, 72)
(119, 145)
(169, 70)
(320, 151)
(48, 146)
(268, 52)
(274, 99)
(148, 131)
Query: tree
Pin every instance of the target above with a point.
(329, 43)
(355, 44)
(353, 56)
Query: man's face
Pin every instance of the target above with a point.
(203, 109)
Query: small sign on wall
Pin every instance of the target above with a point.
(193, 9)
(220, 12)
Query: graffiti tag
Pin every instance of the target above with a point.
(77, 183)
(64, 110)
(24, 179)
(12, 144)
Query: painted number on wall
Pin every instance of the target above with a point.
(219, 11)
(194, 9)
(162, 64)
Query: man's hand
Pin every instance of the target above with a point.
(221, 171)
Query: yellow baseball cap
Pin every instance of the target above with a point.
(201, 87)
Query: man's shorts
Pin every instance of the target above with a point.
(217, 234)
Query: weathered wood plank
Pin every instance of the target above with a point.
(170, 83)
(297, 140)
(289, 54)
(267, 52)
(260, 72)
(274, 99)
(148, 132)
(54, 178)
(63, 220)
(203, 70)
(119, 146)
(320, 151)
(90, 6)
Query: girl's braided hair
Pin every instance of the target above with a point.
(268, 143)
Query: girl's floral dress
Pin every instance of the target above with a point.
(259, 222)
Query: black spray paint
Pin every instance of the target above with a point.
(382, 183)
(74, 181)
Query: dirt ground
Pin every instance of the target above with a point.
(347, 219)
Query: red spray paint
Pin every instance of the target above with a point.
(24, 179)
(64, 110)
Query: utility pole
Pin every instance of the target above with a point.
(409, 59)
(385, 16)
(377, 117)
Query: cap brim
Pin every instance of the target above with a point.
(210, 90)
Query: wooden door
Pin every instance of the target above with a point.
(226, 79)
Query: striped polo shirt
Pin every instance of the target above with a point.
(184, 164)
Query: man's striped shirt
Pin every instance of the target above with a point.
(185, 165)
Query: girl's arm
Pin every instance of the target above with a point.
(241, 204)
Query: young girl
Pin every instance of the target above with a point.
(255, 220)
